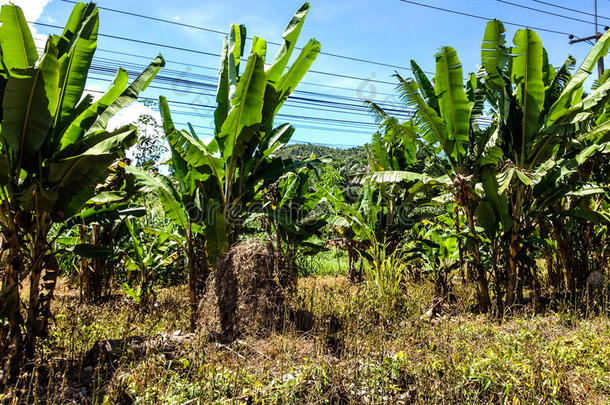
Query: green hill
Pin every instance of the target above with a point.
(338, 156)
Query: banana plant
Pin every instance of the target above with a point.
(239, 162)
(55, 150)
(355, 224)
(437, 246)
(571, 203)
(446, 121)
(292, 219)
(183, 203)
(542, 114)
(149, 250)
(404, 173)
(99, 228)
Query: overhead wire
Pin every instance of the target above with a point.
(174, 62)
(570, 9)
(545, 12)
(201, 52)
(462, 13)
(217, 31)
(343, 106)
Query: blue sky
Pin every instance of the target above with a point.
(386, 31)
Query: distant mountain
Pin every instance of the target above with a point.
(339, 156)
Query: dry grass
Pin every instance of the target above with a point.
(354, 354)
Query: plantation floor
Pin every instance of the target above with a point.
(362, 349)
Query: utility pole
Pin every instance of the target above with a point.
(597, 36)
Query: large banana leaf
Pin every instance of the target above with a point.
(197, 155)
(426, 87)
(106, 214)
(290, 36)
(215, 233)
(65, 171)
(130, 94)
(297, 71)
(395, 176)
(563, 103)
(494, 54)
(16, 41)
(232, 50)
(168, 196)
(527, 75)
(498, 202)
(76, 61)
(80, 182)
(561, 79)
(78, 127)
(179, 165)
(247, 104)
(596, 217)
(277, 93)
(589, 105)
(486, 217)
(453, 103)
(278, 139)
(30, 98)
(431, 125)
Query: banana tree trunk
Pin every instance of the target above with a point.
(565, 256)
(85, 290)
(482, 285)
(32, 326)
(554, 275)
(511, 276)
(458, 232)
(537, 292)
(11, 305)
(498, 280)
(351, 267)
(203, 269)
(521, 275)
(193, 278)
(96, 278)
(50, 273)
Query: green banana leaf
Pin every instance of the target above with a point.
(527, 64)
(16, 41)
(453, 103)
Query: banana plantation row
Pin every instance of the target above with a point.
(500, 179)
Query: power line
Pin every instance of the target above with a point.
(216, 71)
(216, 31)
(596, 36)
(570, 9)
(462, 13)
(334, 122)
(107, 67)
(545, 12)
(109, 70)
(179, 48)
(291, 141)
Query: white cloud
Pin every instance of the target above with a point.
(131, 114)
(96, 91)
(32, 10)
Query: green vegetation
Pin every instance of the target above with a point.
(459, 257)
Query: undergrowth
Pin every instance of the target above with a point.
(357, 352)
